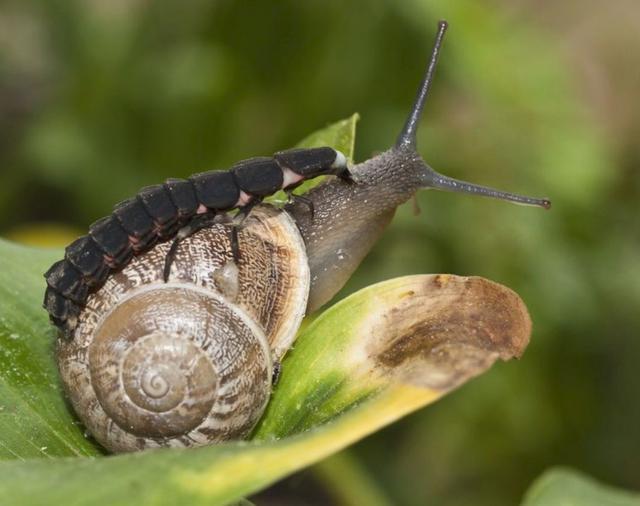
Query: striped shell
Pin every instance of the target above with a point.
(188, 362)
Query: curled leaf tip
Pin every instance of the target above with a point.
(440, 330)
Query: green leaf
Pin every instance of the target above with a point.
(374, 357)
(566, 487)
(340, 135)
(390, 337)
(371, 359)
(34, 420)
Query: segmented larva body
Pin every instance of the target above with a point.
(158, 212)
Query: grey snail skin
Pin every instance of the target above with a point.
(174, 315)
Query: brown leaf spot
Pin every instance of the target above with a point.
(451, 329)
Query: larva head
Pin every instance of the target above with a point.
(349, 218)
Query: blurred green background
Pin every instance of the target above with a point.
(99, 98)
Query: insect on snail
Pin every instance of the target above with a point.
(174, 315)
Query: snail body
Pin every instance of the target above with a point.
(182, 353)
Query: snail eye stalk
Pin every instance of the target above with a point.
(407, 137)
(407, 140)
(433, 179)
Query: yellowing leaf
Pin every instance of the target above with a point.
(374, 357)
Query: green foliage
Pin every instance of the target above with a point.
(34, 420)
(565, 487)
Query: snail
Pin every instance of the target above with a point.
(188, 361)
(172, 332)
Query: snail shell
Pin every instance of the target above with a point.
(188, 362)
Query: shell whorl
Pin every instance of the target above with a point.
(173, 360)
(188, 362)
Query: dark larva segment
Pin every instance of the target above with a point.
(258, 176)
(65, 279)
(59, 307)
(307, 162)
(68, 323)
(158, 204)
(113, 240)
(134, 218)
(216, 189)
(183, 196)
(85, 255)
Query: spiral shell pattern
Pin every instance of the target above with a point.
(188, 362)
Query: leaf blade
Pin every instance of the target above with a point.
(224, 473)
(564, 487)
(34, 419)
